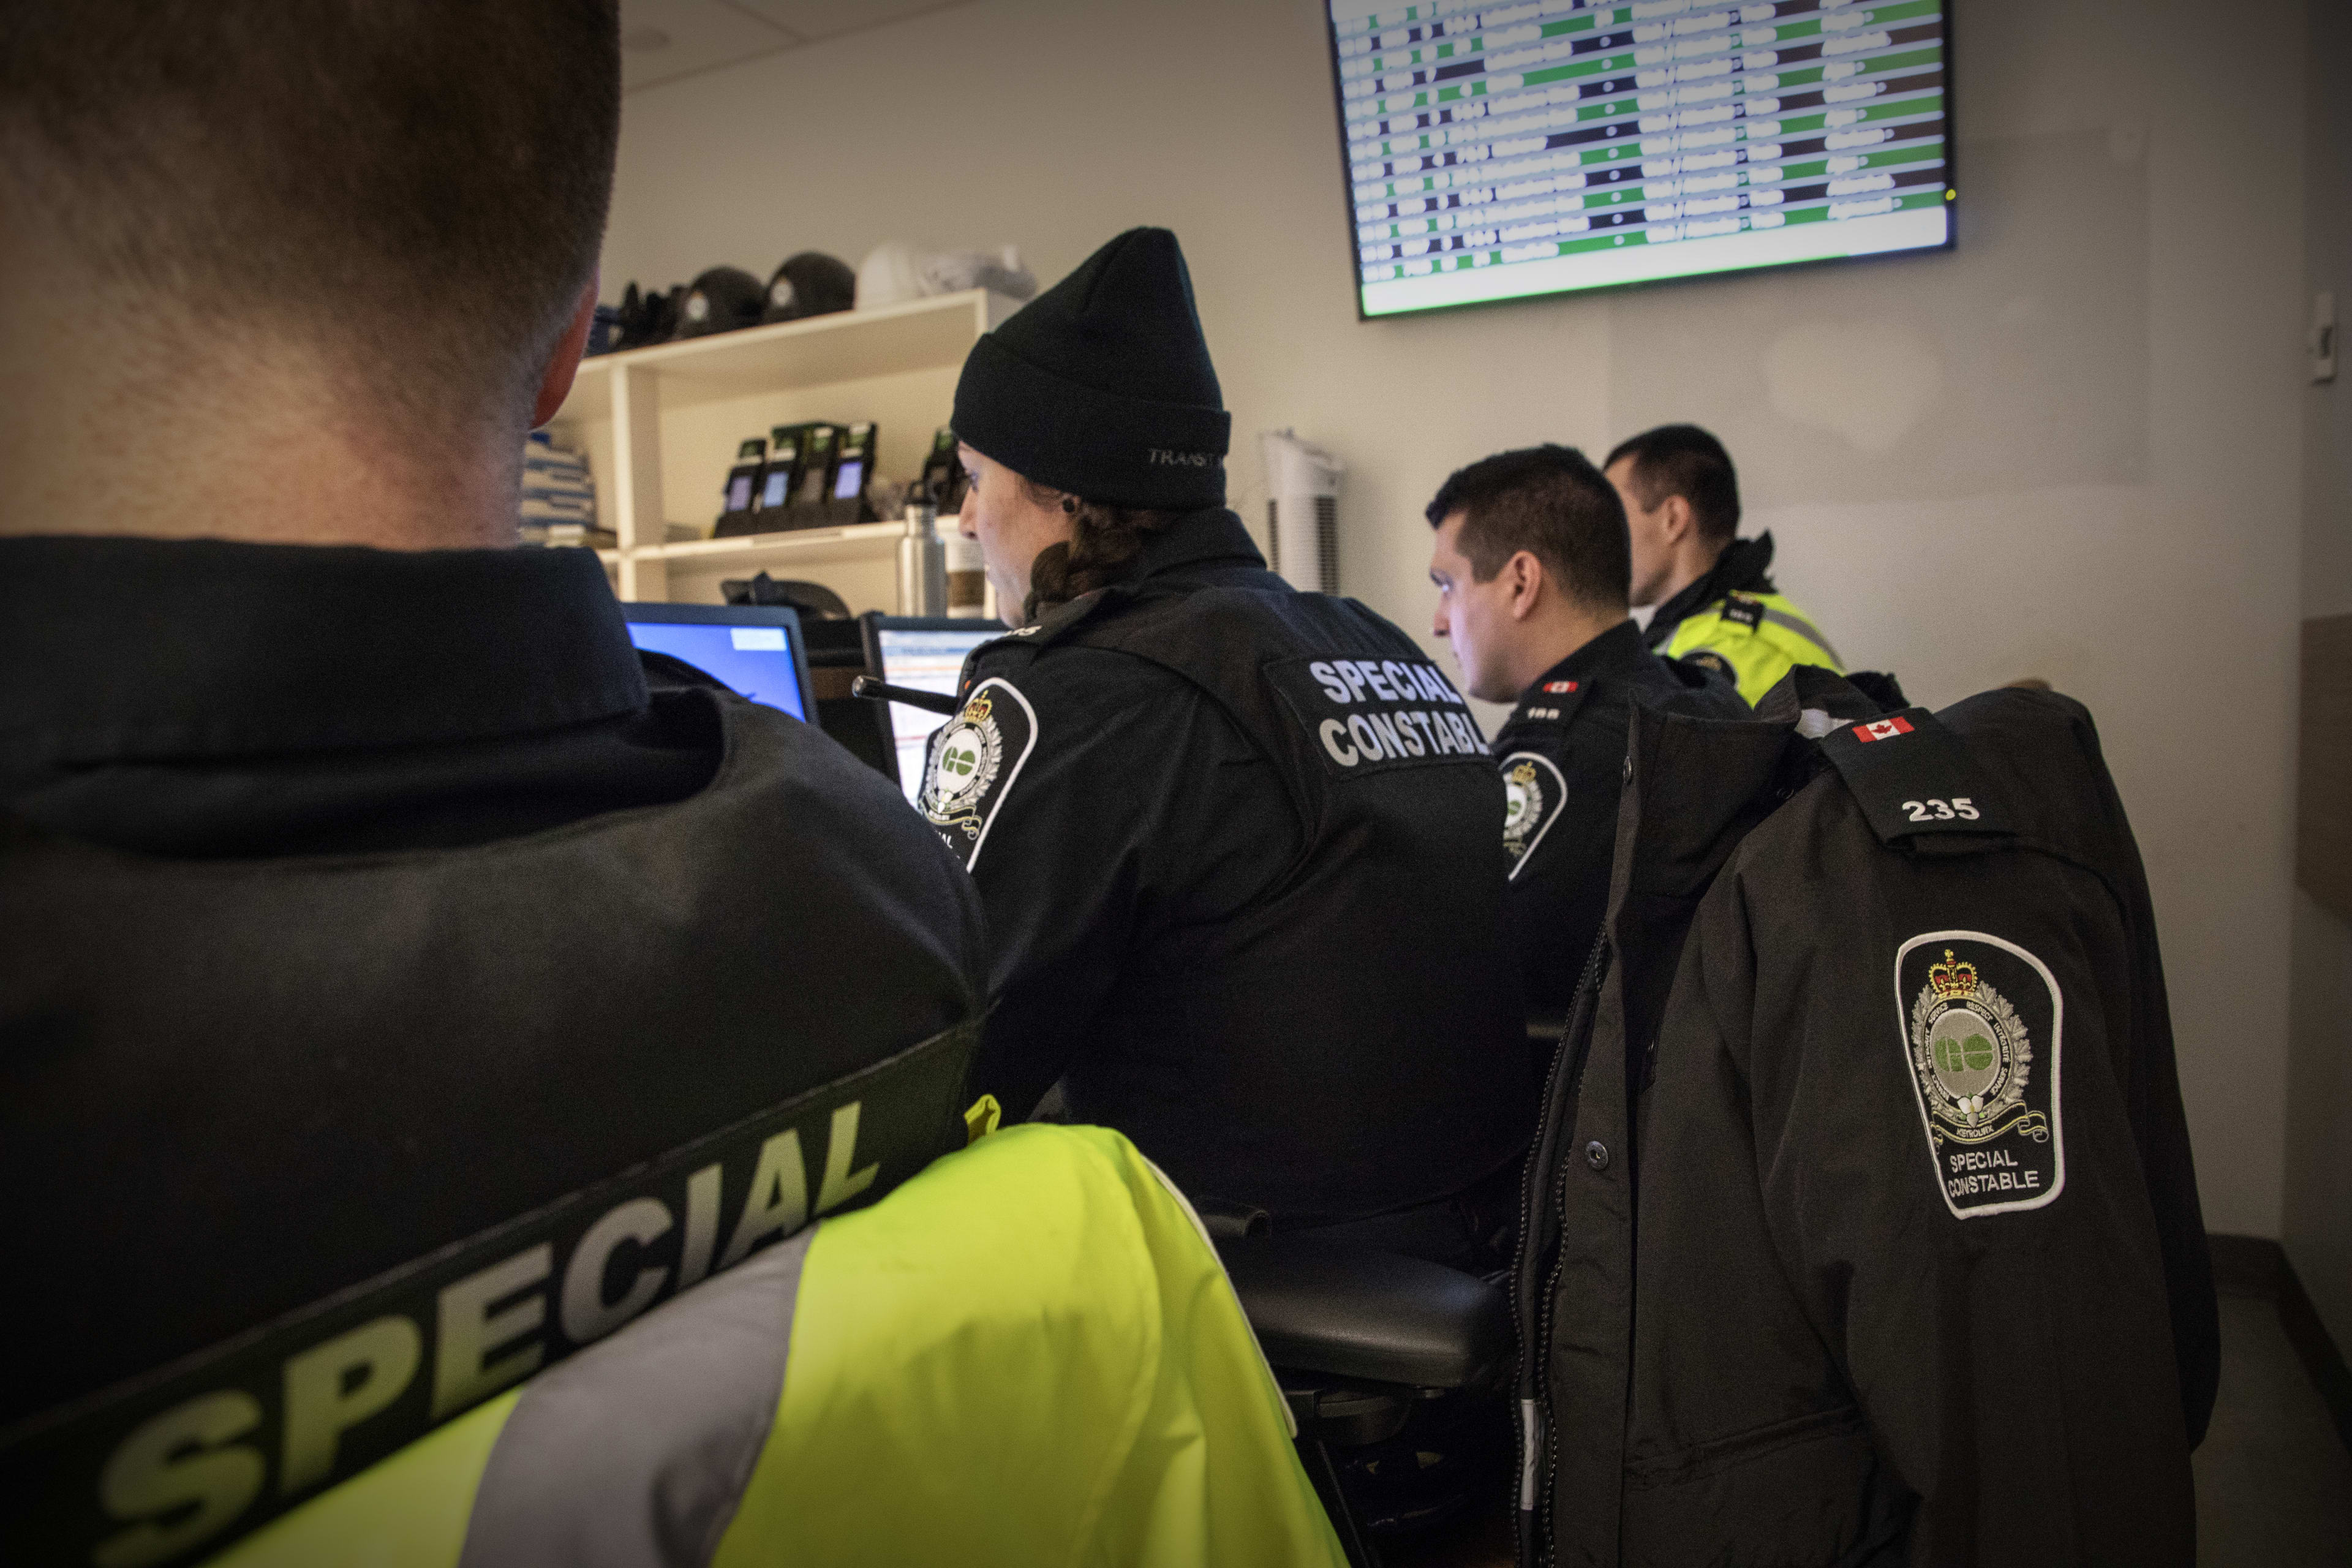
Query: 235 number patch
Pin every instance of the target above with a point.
(1958, 805)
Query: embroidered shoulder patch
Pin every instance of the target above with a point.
(1980, 1026)
(1533, 790)
(1365, 716)
(973, 759)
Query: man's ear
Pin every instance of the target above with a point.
(1527, 579)
(1675, 518)
(555, 383)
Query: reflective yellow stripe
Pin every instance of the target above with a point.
(1759, 655)
(408, 1510)
(1027, 1354)
(1803, 628)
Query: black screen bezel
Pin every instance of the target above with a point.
(1356, 258)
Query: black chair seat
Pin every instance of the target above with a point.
(1343, 1311)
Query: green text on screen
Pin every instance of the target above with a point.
(1500, 151)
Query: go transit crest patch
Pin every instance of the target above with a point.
(973, 759)
(1533, 790)
(1980, 1023)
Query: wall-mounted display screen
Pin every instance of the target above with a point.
(1500, 151)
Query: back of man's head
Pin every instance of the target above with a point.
(411, 193)
(1550, 501)
(1684, 460)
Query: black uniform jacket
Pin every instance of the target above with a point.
(1744, 567)
(1237, 846)
(1562, 756)
(352, 902)
(1867, 1230)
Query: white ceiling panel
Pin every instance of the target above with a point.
(826, 19)
(662, 39)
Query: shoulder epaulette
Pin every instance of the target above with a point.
(1741, 610)
(1549, 702)
(1913, 777)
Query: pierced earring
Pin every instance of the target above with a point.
(1070, 505)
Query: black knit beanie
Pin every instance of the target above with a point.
(1102, 386)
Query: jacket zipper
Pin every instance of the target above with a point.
(1535, 1408)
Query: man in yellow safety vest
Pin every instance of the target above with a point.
(1716, 603)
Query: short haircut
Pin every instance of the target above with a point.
(1684, 460)
(1552, 502)
(415, 187)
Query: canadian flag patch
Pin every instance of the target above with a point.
(1560, 686)
(1883, 728)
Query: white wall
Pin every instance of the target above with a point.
(2318, 1214)
(2070, 448)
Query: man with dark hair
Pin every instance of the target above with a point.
(370, 910)
(1716, 604)
(1532, 565)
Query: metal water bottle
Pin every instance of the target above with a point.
(923, 561)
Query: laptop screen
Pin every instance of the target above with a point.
(929, 655)
(752, 649)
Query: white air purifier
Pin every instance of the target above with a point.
(1302, 487)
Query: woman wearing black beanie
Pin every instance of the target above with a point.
(1235, 842)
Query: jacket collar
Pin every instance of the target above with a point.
(121, 649)
(1214, 536)
(1615, 651)
(1744, 567)
(1556, 693)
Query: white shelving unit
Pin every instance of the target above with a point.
(660, 426)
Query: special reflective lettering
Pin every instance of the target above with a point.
(1378, 681)
(1335, 740)
(1352, 671)
(777, 1204)
(467, 1331)
(1367, 739)
(585, 1314)
(183, 1465)
(1329, 679)
(702, 1194)
(841, 1183)
(332, 1387)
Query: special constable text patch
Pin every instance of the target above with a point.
(1372, 715)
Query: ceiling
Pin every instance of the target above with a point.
(662, 41)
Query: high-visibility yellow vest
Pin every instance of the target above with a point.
(1028, 1353)
(1755, 639)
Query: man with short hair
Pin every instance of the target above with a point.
(1530, 564)
(357, 894)
(1716, 604)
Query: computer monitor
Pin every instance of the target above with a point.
(928, 654)
(754, 651)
